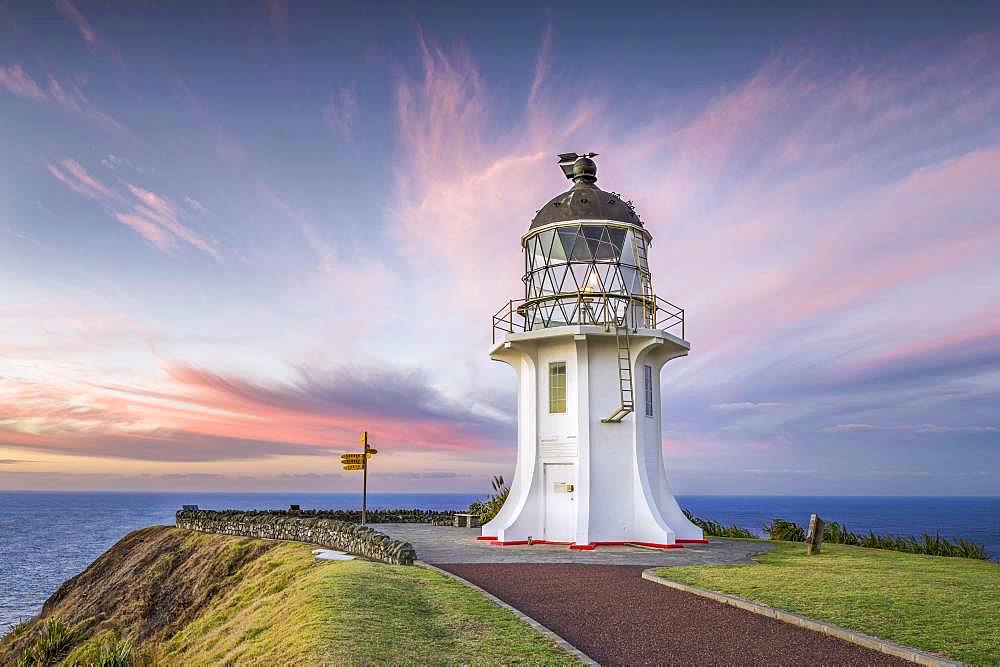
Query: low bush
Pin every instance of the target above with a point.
(52, 643)
(837, 533)
(716, 529)
(786, 531)
(489, 508)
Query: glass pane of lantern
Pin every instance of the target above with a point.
(580, 274)
(606, 251)
(558, 253)
(567, 235)
(617, 237)
(636, 285)
(628, 254)
(558, 274)
(545, 243)
(614, 283)
(606, 271)
(593, 235)
(558, 317)
(628, 277)
(581, 251)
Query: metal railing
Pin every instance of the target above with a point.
(611, 310)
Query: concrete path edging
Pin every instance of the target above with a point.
(852, 636)
(562, 643)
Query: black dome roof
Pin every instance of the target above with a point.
(585, 201)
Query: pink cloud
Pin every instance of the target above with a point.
(75, 177)
(18, 82)
(72, 13)
(151, 215)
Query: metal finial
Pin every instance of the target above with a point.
(579, 168)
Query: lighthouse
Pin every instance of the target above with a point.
(588, 341)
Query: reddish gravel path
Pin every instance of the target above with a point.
(613, 615)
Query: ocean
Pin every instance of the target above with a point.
(46, 538)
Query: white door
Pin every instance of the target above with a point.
(560, 508)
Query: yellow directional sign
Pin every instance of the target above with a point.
(372, 452)
(347, 458)
(364, 437)
(354, 466)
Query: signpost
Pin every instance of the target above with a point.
(359, 461)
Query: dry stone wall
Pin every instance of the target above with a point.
(352, 538)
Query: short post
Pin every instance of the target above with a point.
(814, 538)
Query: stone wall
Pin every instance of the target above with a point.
(341, 535)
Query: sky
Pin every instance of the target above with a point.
(234, 235)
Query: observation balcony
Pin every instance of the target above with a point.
(612, 311)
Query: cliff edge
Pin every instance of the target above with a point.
(170, 596)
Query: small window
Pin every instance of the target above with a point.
(647, 375)
(557, 386)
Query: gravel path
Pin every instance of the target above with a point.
(613, 615)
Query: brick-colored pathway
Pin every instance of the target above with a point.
(613, 615)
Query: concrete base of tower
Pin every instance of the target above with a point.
(578, 480)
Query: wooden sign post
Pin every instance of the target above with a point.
(360, 462)
(814, 538)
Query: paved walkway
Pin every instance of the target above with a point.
(617, 618)
(443, 544)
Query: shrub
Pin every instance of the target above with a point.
(489, 508)
(836, 533)
(716, 529)
(116, 653)
(51, 644)
(787, 531)
(16, 629)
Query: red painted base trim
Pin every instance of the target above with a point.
(487, 537)
(692, 541)
(654, 545)
(587, 547)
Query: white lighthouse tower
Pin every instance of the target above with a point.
(588, 342)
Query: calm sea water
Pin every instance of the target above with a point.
(45, 538)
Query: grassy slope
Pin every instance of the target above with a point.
(191, 598)
(944, 605)
(289, 610)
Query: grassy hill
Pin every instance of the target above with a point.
(168, 596)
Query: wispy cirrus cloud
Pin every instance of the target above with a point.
(153, 216)
(64, 95)
(70, 11)
(17, 82)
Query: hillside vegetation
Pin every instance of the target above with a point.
(168, 596)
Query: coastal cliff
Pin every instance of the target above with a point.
(170, 596)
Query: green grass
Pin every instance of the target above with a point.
(289, 609)
(944, 605)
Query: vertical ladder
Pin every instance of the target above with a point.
(648, 307)
(623, 342)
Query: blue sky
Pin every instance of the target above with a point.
(232, 237)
